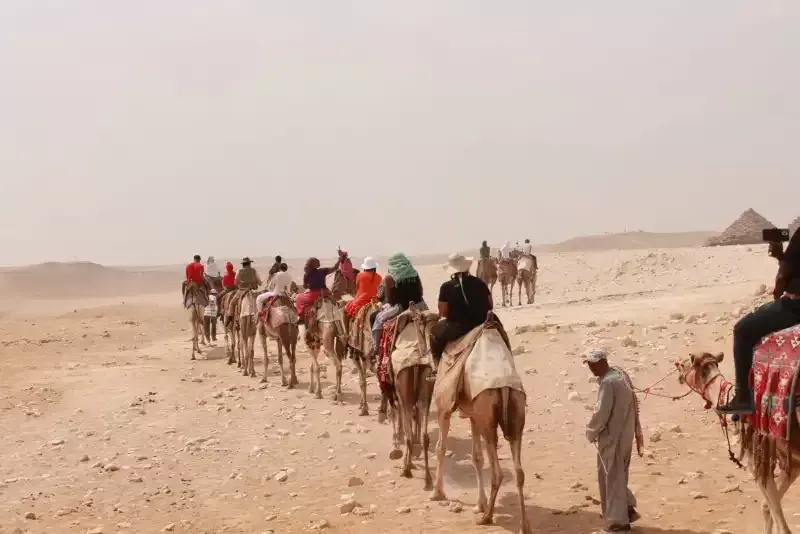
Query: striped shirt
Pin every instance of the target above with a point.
(211, 309)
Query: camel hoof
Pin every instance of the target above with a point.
(318, 395)
(396, 454)
(364, 411)
(193, 357)
(428, 485)
(264, 380)
(293, 382)
(381, 417)
(485, 519)
(437, 496)
(291, 386)
(480, 508)
(284, 383)
(407, 473)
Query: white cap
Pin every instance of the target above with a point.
(594, 356)
(369, 263)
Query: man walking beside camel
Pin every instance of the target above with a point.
(613, 428)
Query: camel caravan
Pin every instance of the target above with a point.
(458, 359)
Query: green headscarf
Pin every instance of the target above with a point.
(400, 268)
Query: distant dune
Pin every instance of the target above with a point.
(629, 241)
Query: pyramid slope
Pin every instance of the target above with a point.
(746, 230)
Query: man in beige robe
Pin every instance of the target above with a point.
(613, 428)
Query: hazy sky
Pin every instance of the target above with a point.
(148, 131)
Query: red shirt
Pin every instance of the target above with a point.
(229, 280)
(194, 273)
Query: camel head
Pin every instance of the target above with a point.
(698, 371)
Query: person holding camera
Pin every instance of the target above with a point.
(781, 313)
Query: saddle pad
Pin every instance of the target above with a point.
(775, 364)
(384, 371)
(328, 312)
(248, 305)
(490, 365)
(407, 351)
(359, 336)
(525, 263)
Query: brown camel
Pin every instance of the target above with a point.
(285, 333)
(482, 358)
(487, 271)
(360, 345)
(411, 394)
(194, 301)
(228, 310)
(700, 372)
(506, 275)
(326, 329)
(248, 326)
(526, 277)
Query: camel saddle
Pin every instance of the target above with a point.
(278, 309)
(776, 361)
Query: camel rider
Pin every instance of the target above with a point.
(367, 283)
(275, 269)
(194, 273)
(486, 252)
(229, 279)
(505, 251)
(314, 283)
(781, 313)
(464, 303)
(527, 248)
(212, 273)
(247, 277)
(280, 284)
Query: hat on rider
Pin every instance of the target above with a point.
(246, 261)
(595, 355)
(369, 263)
(457, 263)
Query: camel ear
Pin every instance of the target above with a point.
(719, 357)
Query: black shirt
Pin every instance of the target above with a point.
(406, 291)
(472, 312)
(792, 258)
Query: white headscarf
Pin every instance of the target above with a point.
(212, 269)
(505, 251)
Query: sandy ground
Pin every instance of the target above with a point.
(108, 427)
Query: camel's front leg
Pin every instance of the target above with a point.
(406, 409)
(519, 477)
(477, 463)
(291, 353)
(330, 352)
(441, 449)
(263, 336)
(280, 342)
(362, 382)
(397, 434)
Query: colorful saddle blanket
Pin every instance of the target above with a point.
(775, 366)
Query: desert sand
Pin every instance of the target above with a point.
(108, 427)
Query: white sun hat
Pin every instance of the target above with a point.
(457, 263)
(369, 263)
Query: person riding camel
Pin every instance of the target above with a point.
(402, 286)
(275, 269)
(464, 303)
(367, 283)
(505, 251)
(194, 273)
(212, 273)
(314, 284)
(783, 312)
(280, 284)
(485, 252)
(229, 279)
(247, 277)
(527, 250)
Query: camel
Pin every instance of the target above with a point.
(326, 328)
(411, 392)
(194, 301)
(700, 372)
(360, 345)
(228, 309)
(468, 380)
(526, 277)
(248, 326)
(285, 331)
(487, 271)
(506, 275)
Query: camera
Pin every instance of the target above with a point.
(775, 235)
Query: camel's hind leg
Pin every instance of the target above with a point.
(772, 509)
(404, 384)
(315, 385)
(424, 397)
(263, 335)
(291, 353)
(361, 365)
(513, 428)
(282, 333)
(441, 449)
(477, 463)
(330, 346)
(486, 417)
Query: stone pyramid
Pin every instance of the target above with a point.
(794, 226)
(746, 230)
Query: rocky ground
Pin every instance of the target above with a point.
(108, 427)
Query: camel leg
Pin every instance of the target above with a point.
(519, 478)
(291, 352)
(362, 382)
(330, 352)
(252, 345)
(424, 408)
(405, 410)
(773, 496)
(477, 463)
(283, 339)
(397, 435)
(317, 375)
(382, 408)
(263, 335)
(313, 355)
(497, 474)
(784, 482)
(194, 333)
(441, 448)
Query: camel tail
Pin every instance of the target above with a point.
(505, 423)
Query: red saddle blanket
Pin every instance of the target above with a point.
(384, 370)
(775, 363)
